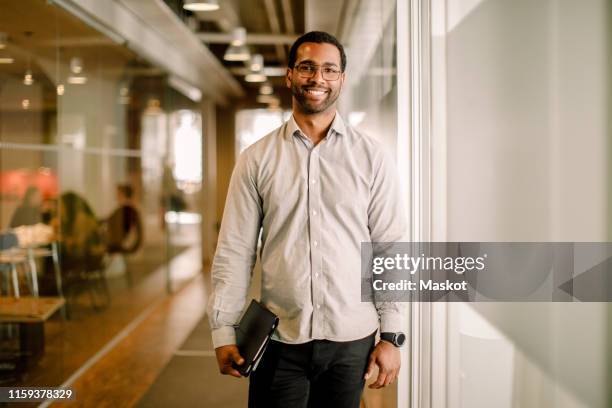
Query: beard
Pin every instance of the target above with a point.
(309, 106)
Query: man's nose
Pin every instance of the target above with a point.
(318, 76)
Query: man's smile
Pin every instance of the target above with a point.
(315, 92)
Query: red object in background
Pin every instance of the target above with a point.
(16, 182)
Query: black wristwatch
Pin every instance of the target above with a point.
(397, 339)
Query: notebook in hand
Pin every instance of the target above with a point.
(253, 333)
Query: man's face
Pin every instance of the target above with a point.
(316, 94)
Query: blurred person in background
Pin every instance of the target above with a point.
(29, 211)
(81, 239)
(123, 228)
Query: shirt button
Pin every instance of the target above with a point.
(315, 243)
(314, 212)
(317, 275)
(318, 306)
(313, 181)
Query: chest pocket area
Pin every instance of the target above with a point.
(282, 193)
(345, 192)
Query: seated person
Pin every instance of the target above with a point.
(82, 245)
(29, 211)
(124, 226)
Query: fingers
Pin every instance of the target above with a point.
(233, 372)
(384, 379)
(228, 359)
(380, 381)
(237, 358)
(390, 378)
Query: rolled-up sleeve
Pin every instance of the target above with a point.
(236, 252)
(387, 222)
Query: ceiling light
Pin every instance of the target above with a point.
(76, 65)
(2, 40)
(27, 78)
(60, 89)
(77, 80)
(256, 70)
(124, 95)
(256, 62)
(266, 89)
(201, 5)
(238, 36)
(237, 53)
(255, 77)
(7, 60)
(25, 104)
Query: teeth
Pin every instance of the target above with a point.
(313, 92)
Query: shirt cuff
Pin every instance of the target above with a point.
(391, 322)
(223, 336)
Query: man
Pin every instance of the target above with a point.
(316, 189)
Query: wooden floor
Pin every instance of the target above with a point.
(122, 375)
(113, 359)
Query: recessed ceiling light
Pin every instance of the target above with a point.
(7, 60)
(201, 5)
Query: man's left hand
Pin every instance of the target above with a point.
(387, 357)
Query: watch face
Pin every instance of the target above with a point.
(400, 339)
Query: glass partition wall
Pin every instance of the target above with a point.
(370, 103)
(521, 153)
(100, 165)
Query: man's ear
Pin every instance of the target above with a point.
(288, 77)
(342, 79)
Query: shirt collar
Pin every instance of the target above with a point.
(337, 127)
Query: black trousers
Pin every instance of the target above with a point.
(317, 374)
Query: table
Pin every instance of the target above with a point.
(30, 313)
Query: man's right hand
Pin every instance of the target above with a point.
(226, 355)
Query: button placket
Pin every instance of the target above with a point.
(314, 201)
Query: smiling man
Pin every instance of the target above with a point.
(315, 188)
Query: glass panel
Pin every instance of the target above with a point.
(95, 184)
(521, 153)
(369, 101)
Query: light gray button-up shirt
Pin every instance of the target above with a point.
(314, 206)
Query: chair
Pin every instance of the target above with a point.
(85, 272)
(51, 250)
(10, 258)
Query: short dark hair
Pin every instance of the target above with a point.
(318, 37)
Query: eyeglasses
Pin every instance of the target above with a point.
(310, 70)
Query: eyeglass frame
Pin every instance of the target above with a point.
(317, 68)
